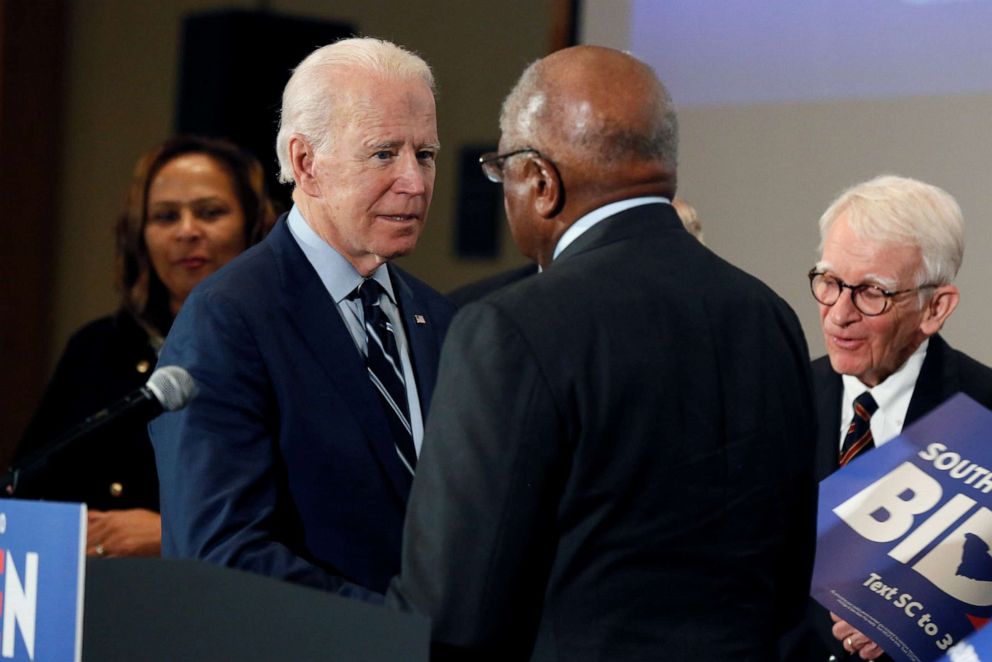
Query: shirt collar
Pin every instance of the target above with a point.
(596, 215)
(338, 275)
(895, 391)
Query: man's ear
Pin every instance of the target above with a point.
(940, 306)
(549, 194)
(303, 159)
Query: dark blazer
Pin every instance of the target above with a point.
(466, 294)
(114, 469)
(619, 462)
(283, 463)
(944, 373)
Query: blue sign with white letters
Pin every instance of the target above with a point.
(976, 648)
(904, 535)
(42, 564)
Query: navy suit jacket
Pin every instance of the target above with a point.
(283, 463)
(944, 373)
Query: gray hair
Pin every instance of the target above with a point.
(689, 217)
(527, 117)
(901, 211)
(311, 99)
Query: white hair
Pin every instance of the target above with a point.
(311, 97)
(893, 210)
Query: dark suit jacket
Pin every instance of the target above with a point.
(283, 463)
(619, 462)
(944, 373)
(466, 294)
(114, 468)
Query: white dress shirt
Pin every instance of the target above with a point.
(892, 396)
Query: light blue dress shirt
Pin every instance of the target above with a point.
(340, 279)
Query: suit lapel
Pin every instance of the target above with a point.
(310, 309)
(938, 380)
(829, 389)
(422, 338)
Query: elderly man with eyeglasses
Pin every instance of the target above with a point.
(891, 248)
(619, 460)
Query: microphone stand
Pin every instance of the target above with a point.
(141, 402)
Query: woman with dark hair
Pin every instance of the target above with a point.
(194, 204)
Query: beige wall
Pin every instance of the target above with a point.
(761, 175)
(121, 86)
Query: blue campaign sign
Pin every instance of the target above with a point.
(904, 535)
(976, 648)
(42, 561)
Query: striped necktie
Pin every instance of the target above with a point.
(385, 370)
(858, 436)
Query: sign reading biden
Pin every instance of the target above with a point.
(42, 560)
(904, 535)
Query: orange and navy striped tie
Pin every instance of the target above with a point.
(858, 438)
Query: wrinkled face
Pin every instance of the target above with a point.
(375, 177)
(870, 348)
(194, 223)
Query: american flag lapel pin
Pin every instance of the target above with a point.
(420, 319)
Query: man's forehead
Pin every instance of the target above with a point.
(383, 130)
(864, 261)
(359, 86)
(370, 106)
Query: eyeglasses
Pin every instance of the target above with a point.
(492, 163)
(871, 300)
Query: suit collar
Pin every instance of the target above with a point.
(938, 380)
(579, 227)
(338, 275)
(623, 225)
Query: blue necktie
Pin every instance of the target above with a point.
(385, 370)
(858, 436)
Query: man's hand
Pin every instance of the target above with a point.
(135, 532)
(854, 642)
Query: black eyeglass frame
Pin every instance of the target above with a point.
(858, 289)
(492, 163)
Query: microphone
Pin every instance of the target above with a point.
(168, 389)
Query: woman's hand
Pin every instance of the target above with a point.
(135, 532)
(854, 642)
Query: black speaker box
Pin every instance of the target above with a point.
(477, 233)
